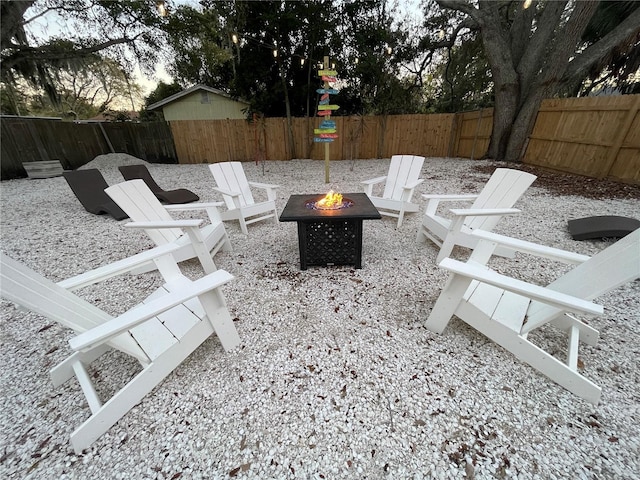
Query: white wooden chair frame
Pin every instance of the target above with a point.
(506, 310)
(400, 183)
(495, 200)
(235, 189)
(194, 239)
(160, 332)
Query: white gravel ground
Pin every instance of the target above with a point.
(337, 376)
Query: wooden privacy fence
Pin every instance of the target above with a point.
(593, 136)
(211, 141)
(27, 139)
(472, 133)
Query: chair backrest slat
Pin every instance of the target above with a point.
(231, 176)
(612, 267)
(27, 288)
(139, 202)
(403, 169)
(502, 190)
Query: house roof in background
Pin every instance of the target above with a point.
(188, 91)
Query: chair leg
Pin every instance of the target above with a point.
(425, 234)
(452, 238)
(132, 393)
(446, 248)
(201, 250)
(243, 226)
(64, 370)
(447, 303)
(533, 355)
(400, 218)
(226, 243)
(218, 315)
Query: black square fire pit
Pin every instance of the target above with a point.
(329, 236)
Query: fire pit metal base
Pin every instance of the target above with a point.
(329, 237)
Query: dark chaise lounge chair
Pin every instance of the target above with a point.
(180, 195)
(605, 226)
(88, 186)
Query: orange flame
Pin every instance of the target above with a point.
(331, 199)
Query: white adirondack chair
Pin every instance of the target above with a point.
(236, 192)
(160, 333)
(495, 200)
(506, 310)
(146, 211)
(399, 184)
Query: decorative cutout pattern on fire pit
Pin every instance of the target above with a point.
(331, 242)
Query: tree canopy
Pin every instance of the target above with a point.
(40, 39)
(459, 55)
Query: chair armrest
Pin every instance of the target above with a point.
(210, 207)
(103, 333)
(433, 200)
(166, 224)
(193, 206)
(263, 185)
(368, 184)
(447, 197)
(482, 212)
(116, 268)
(374, 180)
(535, 292)
(269, 188)
(531, 248)
(414, 184)
(226, 192)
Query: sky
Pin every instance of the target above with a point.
(52, 25)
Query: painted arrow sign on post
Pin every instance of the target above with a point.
(326, 133)
(330, 91)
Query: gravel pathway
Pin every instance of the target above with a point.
(337, 376)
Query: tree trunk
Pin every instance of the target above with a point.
(507, 88)
(504, 114)
(287, 105)
(513, 120)
(522, 127)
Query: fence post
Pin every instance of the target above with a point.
(622, 133)
(106, 137)
(475, 137)
(451, 151)
(37, 141)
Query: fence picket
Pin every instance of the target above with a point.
(593, 136)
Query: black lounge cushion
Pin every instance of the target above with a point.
(88, 186)
(180, 195)
(605, 226)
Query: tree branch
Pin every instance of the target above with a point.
(532, 57)
(627, 29)
(44, 54)
(521, 30)
(459, 5)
